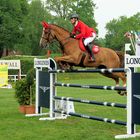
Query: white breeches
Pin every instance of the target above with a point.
(89, 39)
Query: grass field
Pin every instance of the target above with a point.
(15, 126)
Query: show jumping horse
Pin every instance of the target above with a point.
(72, 55)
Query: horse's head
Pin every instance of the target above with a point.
(47, 35)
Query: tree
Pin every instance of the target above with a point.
(11, 13)
(20, 25)
(117, 28)
(101, 42)
(60, 8)
(32, 29)
(85, 9)
(64, 8)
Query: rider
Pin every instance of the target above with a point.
(84, 32)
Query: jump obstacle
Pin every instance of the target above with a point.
(46, 95)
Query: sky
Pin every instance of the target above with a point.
(109, 9)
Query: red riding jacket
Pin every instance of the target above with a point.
(83, 30)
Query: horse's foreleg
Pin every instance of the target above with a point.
(67, 59)
(117, 85)
(123, 78)
(65, 62)
(61, 65)
(115, 77)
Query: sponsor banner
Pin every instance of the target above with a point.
(3, 75)
(41, 63)
(12, 64)
(132, 61)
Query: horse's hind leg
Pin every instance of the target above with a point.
(117, 84)
(115, 77)
(123, 78)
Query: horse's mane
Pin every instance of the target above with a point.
(61, 28)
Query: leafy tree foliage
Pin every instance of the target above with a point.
(59, 8)
(62, 9)
(31, 28)
(85, 9)
(118, 27)
(11, 13)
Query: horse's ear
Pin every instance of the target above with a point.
(45, 24)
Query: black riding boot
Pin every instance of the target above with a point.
(89, 49)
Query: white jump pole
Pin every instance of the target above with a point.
(131, 128)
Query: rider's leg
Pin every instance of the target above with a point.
(89, 47)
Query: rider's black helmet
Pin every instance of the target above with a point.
(74, 16)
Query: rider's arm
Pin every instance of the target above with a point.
(82, 33)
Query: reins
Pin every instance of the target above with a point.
(59, 40)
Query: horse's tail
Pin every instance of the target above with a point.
(121, 57)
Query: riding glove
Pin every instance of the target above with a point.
(72, 35)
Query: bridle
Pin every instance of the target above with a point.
(50, 35)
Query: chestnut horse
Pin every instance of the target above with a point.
(72, 55)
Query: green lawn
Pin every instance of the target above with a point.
(15, 126)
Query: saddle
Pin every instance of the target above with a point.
(95, 48)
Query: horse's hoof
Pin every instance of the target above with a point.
(125, 93)
(71, 68)
(122, 93)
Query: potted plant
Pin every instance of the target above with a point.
(25, 93)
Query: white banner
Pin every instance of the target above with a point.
(41, 63)
(132, 61)
(12, 64)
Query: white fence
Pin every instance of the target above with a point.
(15, 77)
